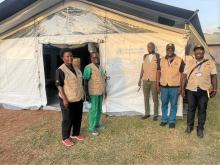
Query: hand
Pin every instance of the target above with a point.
(182, 92)
(158, 88)
(212, 94)
(65, 103)
(87, 98)
(139, 83)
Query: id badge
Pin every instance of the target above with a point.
(199, 74)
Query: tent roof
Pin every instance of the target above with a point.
(138, 8)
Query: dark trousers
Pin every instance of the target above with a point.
(71, 118)
(197, 99)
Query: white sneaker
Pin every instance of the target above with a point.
(95, 133)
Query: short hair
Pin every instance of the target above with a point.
(151, 43)
(199, 47)
(65, 50)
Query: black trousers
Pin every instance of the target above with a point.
(197, 99)
(71, 118)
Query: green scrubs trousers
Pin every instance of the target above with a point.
(95, 112)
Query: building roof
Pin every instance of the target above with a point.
(138, 8)
(213, 39)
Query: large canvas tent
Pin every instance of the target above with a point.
(32, 33)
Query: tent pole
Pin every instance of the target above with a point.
(192, 16)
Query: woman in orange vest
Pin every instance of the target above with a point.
(69, 84)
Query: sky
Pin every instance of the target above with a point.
(209, 11)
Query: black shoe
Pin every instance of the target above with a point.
(145, 117)
(172, 125)
(188, 129)
(162, 124)
(155, 118)
(200, 133)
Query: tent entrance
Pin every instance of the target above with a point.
(52, 61)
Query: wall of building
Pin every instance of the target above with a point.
(215, 51)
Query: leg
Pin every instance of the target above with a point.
(165, 101)
(155, 97)
(93, 113)
(202, 107)
(173, 95)
(146, 91)
(99, 111)
(77, 117)
(66, 121)
(192, 105)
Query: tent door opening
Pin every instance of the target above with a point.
(52, 61)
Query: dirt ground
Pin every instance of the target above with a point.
(13, 125)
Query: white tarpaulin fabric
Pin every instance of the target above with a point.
(22, 75)
(122, 57)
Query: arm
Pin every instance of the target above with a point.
(182, 77)
(158, 75)
(142, 72)
(158, 80)
(214, 81)
(86, 76)
(63, 96)
(141, 75)
(60, 83)
(183, 84)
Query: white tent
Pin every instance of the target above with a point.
(121, 39)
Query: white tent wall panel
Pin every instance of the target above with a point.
(22, 85)
(122, 56)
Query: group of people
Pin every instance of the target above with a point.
(169, 77)
(73, 91)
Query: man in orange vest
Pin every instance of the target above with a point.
(94, 77)
(200, 74)
(168, 84)
(148, 77)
